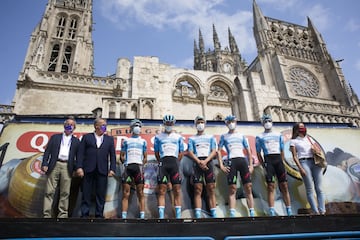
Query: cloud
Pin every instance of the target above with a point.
(357, 65)
(186, 16)
(352, 25)
(319, 15)
(158, 14)
(281, 5)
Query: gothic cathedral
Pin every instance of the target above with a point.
(294, 78)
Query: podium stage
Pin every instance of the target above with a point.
(295, 227)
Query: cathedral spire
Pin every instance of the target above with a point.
(217, 44)
(318, 40)
(232, 43)
(196, 55)
(314, 31)
(201, 43)
(260, 23)
(196, 50)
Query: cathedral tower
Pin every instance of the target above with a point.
(59, 52)
(227, 61)
(294, 60)
(62, 41)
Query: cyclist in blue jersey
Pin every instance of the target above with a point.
(133, 155)
(202, 150)
(238, 160)
(271, 144)
(169, 148)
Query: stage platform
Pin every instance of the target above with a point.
(295, 227)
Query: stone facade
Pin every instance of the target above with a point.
(293, 77)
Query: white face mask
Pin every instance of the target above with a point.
(232, 126)
(268, 125)
(200, 127)
(168, 128)
(136, 130)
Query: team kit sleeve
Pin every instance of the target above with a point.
(156, 144)
(245, 142)
(282, 144)
(221, 142)
(212, 143)
(191, 145)
(181, 144)
(258, 144)
(144, 147)
(124, 146)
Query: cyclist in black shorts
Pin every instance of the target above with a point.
(238, 160)
(202, 150)
(168, 148)
(272, 145)
(133, 155)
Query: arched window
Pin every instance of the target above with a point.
(61, 27)
(184, 88)
(72, 28)
(134, 111)
(147, 111)
(66, 59)
(218, 92)
(123, 109)
(54, 58)
(112, 110)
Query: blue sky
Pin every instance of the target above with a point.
(167, 29)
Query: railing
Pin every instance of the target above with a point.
(6, 109)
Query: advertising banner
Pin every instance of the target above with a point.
(22, 183)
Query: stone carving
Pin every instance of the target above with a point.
(185, 89)
(293, 41)
(303, 82)
(218, 93)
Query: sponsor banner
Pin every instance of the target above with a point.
(22, 182)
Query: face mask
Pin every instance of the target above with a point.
(232, 126)
(103, 128)
(136, 130)
(200, 127)
(268, 125)
(69, 128)
(168, 128)
(302, 130)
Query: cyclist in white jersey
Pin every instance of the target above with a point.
(238, 160)
(133, 155)
(202, 150)
(169, 148)
(272, 145)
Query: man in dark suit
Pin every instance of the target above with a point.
(95, 152)
(59, 165)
